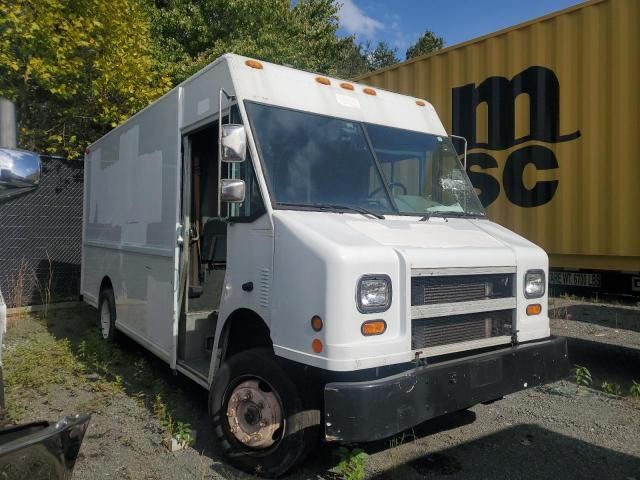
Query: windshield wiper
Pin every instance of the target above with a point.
(445, 214)
(333, 207)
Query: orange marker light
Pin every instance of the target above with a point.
(253, 64)
(534, 309)
(317, 346)
(346, 86)
(373, 327)
(323, 80)
(420, 103)
(369, 91)
(316, 323)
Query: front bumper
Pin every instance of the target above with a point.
(372, 410)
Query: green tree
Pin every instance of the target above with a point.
(192, 33)
(75, 68)
(429, 42)
(364, 57)
(382, 56)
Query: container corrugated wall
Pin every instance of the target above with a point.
(554, 134)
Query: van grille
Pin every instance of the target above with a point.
(433, 332)
(460, 288)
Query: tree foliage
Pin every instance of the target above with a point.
(75, 68)
(429, 42)
(192, 33)
(360, 58)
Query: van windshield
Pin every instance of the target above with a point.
(313, 161)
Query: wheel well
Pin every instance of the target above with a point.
(105, 284)
(243, 330)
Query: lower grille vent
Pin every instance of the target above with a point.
(433, 332)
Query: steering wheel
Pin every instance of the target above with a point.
(391, 186)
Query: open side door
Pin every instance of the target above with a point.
(182, 245)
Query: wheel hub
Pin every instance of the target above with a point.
(254, 414)
(105, 320)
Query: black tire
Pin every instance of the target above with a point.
(107, 300)
(300, 431)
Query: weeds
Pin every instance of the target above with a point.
(634, 390)
(352, 463)
(181, 431)
(611, 388)
(582, 376)
(18, 293)
(65, 350)
(45, 289)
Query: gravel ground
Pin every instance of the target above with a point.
(553, 431)
(611, 324)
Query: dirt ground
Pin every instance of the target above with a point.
(56, 364)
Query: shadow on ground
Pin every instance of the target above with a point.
(522, 452)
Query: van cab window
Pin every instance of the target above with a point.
(315, 161)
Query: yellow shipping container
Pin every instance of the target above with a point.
(551, 110)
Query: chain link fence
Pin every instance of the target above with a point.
(41, 237)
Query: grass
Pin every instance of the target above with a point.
(352, 464)
(62, 349)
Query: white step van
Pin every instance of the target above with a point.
(311, 251)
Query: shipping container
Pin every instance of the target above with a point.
(551, 112)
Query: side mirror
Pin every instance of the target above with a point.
(231, 190)
(234, 143)
(19, 171)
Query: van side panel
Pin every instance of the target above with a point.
(131, 203)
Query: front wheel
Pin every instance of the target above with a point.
(259, 421)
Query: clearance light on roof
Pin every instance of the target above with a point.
(346, 86)
(420, 103)
(323, 80)
(369, 91)
(253, 64)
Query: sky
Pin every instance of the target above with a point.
(401, 22)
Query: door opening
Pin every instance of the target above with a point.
(206, 253)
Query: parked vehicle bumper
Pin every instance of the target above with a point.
(42, 449)
(372, 410)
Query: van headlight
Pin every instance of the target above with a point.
(373, 293)
(534, 284)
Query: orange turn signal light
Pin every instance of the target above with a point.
(534, 309)
(346, 86)
(316, 323)
(373, 327)
(369, 91)
(323, 80)
(317, 346)
(420, 103)
(253, 64)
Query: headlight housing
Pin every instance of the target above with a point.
(534, 284)
(373, 293)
